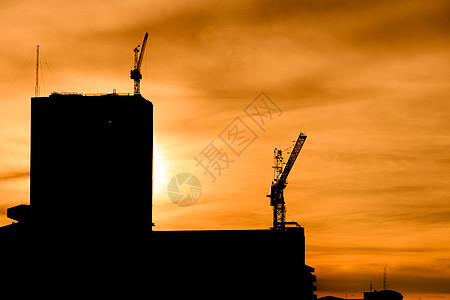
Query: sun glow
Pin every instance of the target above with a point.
(160, 178)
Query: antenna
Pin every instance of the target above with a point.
(371, 287)
(385, 278)
(36, 89)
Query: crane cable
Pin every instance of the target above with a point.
(48, 66)
(18, 73)
(41, 70)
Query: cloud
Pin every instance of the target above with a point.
(404, 283)
(404, 25)
(335, 269)
(367, 81)
(14, 175)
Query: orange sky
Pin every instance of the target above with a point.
(368, 81)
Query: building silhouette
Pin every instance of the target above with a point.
(383, 295)
(90, 165)
(90, 213)
(373, 295)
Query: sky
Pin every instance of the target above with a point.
(367, 81)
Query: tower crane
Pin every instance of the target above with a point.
(135, 74)
(279, 184)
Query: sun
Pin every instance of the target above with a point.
(160, 178)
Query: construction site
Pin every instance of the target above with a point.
(107, 140)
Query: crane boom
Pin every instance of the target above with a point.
(294, 154)
(141, 56)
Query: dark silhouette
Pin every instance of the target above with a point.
(383, 295)
(373, 295)
(88, 227)
(91, 165)
(237, 264)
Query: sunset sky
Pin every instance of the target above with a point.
(367, 81)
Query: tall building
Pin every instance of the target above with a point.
(91, 164)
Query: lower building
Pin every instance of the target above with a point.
(383, 295)
(235, 264)
(374, 295)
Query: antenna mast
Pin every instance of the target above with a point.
(385, 278)
(36, 89)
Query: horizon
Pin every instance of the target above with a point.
(367, 82)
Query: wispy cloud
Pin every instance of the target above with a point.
(14, 175)
(367, 81)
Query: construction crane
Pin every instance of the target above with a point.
(279, 184)
(135, 74)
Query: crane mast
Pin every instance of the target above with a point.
(279, 184)
(135, 74)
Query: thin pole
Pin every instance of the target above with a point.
(36, 89)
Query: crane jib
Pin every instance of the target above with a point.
(294, 154)
(141, 56)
